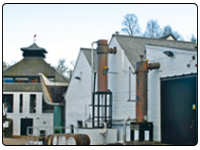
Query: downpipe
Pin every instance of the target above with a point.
(124, 128)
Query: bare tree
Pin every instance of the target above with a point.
(193, 39)
(5, 65)
(130, 25)
(153, 29)
(65, 70)
(61, 67)
(167, 30)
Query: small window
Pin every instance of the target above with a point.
(21, 79)
(42, 133)
(8, 79)
(21, 103)
(8, 102)
(79, 123)
(32, 103)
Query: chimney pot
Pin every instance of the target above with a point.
(102, 42)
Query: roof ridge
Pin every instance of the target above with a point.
(85, 49)
(140, 37)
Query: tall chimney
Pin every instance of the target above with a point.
(142, 69)
(102, 63)
(102, 98)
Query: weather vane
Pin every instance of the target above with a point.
(34, 38)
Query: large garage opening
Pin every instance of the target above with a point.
(179, 110)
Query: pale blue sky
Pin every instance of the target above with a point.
(63, 28)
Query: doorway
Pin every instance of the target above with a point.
(179, 110)
(27, 122)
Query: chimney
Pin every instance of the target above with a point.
(102, 63)
(142, 69)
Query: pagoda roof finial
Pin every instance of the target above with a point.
(33, 51)
(34, 38)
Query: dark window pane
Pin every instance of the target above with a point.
(8, 101)
(21, 103)
(46, 108)
(32, 103)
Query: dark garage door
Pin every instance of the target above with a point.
(179, 110)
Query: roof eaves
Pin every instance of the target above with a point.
(186, 49)
(139, 37)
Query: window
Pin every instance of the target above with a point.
(8, 79)
(42, 133)
(21, 103)
(32, 103)
(21, 79)
(8, 102)
(46, 108)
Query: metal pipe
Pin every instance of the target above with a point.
(102, 52)
(94, 82)
(129, 83)
(92, 66)
(142, 69)
(124, 129)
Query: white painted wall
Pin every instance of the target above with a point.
(41, 121)
(118, 83)
(78, 96)
(168, 67)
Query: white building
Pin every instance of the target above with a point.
(22, 93)
(177, 59)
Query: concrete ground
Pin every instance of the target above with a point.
(18, 140)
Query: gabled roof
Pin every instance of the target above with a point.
(135, 46)
(53, 91)
(31, 67)
(87, 53)
(169, 37)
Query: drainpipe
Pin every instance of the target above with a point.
(124, 129)
(104, 132)
(92, 68)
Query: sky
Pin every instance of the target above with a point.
(62, 29)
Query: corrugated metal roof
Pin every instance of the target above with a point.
(135, 46)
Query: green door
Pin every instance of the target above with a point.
(179, 110)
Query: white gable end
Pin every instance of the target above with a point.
(78, 96)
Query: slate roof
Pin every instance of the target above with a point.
(30, 67)
(167, 36)
(33, 51)
(22, 87)
(34, 47)
(53, 91)
(87, 53)
(135, 46)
